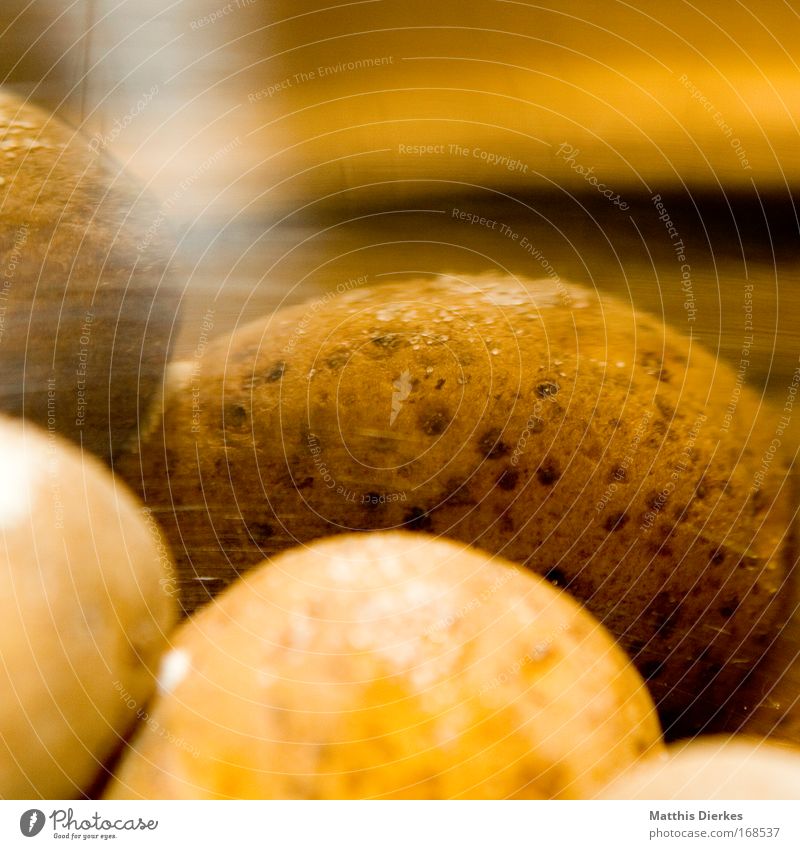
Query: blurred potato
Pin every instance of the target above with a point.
(87, 302)
(713, 768)
(389, 666)
(86, 604)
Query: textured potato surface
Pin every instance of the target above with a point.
(390, 665)
(537, 421)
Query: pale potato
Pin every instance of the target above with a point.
(87, 295)
(538, 421)
(86, 605)
(713, 768)
(390, 665)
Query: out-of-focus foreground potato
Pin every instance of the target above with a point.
(86, 603)
(390, 665)
(537, 421)
(713, 768)
(86, 299)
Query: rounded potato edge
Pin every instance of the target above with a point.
(390, 665)
(714, 767)
(86, 605)
(88, 293)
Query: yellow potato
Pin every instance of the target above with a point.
(390, 665)
(537, 421)
(713, 768)
(87, 299)
(86, 603)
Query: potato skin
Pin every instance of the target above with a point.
(537, 421)
(87, 300)
(86, 603)
(390, 665)
(713, 768)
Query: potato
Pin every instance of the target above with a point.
(86, 602)
(537, 421)
(390, 665)
(713, 768)
(87, 301)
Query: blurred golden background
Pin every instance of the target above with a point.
(296, 145)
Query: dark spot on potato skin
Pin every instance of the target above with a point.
(651, 361)
(458, 493)
(236, 417)
(667, 411)
(417, 520)
(260, 530)
(556, 576)
(718, 556)
(373, 500)
(507, 524)
(667, 532)
(548, 473)
(547, 389)
(440, 382)
(435, 423)
(756, 502)
(660, 427)
(276, 372)
(491, 446)
(388, 341)
(305, 483)
(508, 479)
(619, 473)
(679, 512)
(616, 522)
(727, 610)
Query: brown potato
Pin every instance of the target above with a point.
(537, 421)
(390, 665)
(713, 768)
(87, 302)
(86, 603)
